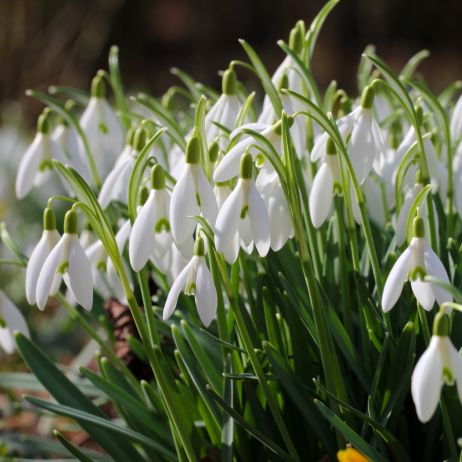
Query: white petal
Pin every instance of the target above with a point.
(41, 251)
(456, 363)
(427, 382)
(229, 166)
(47, 275)
(141, 243)
(14, 322)
(423, 293)
(80, 276)
(228, 218)
(208, 202)
(281, 221)
(119, 176)
(183, 205)
(206, 294)
(175, 290)
(395, 281)
(361, 147)
(435, 268)
(321, 195)
(28, 167)
(259, 221)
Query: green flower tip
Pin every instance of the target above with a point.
(330, 147)
(157, 177)
(70, 105)
(43, 122)
(71, 222)
(418, 227)
(246, 166)
(139, 139)
(296, 39)
(129, 137)
(229, 82)
(49, 219)
(367, 98)
(214, 149)
(193, 150)
(419, 113)
(199, 247)
(345, 105)
(441, 325)
(144, 194)
(284, 82)
(418, 176)
(98, 88)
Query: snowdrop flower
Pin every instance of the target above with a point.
(103, 129)
(11, 320)
(115, 186)
(68, 140)
(49, 239)
(151, 229)
(456, 122)
(105, 278)
(224, 112)
(229, 166)
(414, 264)
(34, 168)
(195, 279)
(68, 259)
(191, 196)
(366, 147)
(325, 183)
(440, 364)
(243, 214)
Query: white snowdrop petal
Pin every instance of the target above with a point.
(228, 218)
(427, 381)
(80, 276)
(436, 268)
(183, 204)
(28, 167)
(229, 166)
(209, 205)
(117, 179)
(206, 294)
(259, 222)
(321, 196)
(423, 293)
(177, 287)
(141, 244)
(395, 281)
(14, 322)
(48, 271)
(456, 363)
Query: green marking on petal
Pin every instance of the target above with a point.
(417, 272)
(103, 128)
(62, 268)
(162, 225)
(448, 376)
(244, 211)
(190, 288)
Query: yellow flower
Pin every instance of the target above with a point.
(350, 455)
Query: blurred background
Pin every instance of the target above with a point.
(45, 42)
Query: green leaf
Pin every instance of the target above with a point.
(264, 77)
(413, 210)
(249, 428)
(227, 432)
(11, 245)
(188, 81)
(245, 109)
(104, 423)
(350, 435)
(116, 83)
(66, 393)
(411, 66)
(74, 450)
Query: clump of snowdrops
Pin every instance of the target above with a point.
(262, 247)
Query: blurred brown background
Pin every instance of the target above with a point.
(45, 42)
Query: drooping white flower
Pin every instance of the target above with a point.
(366, 147)
(151, 229)
(229, 166)
(456, 122)
(49, 239)
(269, 186)
(11, 320)
(325, 182)
(34, 168)
(106, 281)
(440, 364)
(67, 259)
(224, 112)
(417, 261)
(115, 186)
(243, 214)
(68, 140)
(192, 195)
(102, 128)
(195, 279)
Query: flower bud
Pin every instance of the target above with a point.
(229, 82)
(157, 177)
(49, 219)
(71, 222)
(98, 88)
(193, 150)
(441, 325)
(199, 247)
(246, 167)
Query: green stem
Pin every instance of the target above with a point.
(147, 302)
